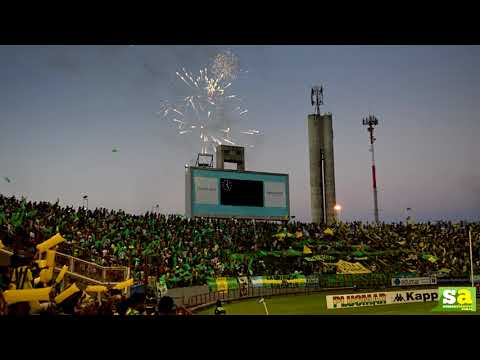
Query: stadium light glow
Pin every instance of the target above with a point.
(337, 208)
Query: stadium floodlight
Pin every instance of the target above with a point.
(337, 209)
(85, 200)
(371, 121)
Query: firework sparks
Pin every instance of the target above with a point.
(226, 65)
(207, 109)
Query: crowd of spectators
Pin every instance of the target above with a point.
(187, 252)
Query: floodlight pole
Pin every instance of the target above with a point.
(372, 121)
(471, 256)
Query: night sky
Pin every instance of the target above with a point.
(64, 108)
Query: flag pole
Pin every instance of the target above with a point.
(471, 256)
(262, 301)
(265, 305)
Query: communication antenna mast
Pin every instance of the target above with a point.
(371, 121)
(316, 97)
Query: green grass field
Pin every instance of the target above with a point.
(315, 304)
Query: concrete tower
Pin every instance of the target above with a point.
(322, 168)
(329, 169)
(315, 142)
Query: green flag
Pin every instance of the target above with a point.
(292, 252)
(262, 253)
(250, 264)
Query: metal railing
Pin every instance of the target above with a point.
(250, 292)
(104, 274)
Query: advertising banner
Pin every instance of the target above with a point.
(380, 298)
(206, 190)
(414, 281)
(403, 297)
(275, 194)
(456, 299)
(356, 300)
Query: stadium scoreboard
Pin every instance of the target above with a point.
(211, 192)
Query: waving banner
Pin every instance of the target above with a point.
(278, 281)
(222, 284)
(344, 267)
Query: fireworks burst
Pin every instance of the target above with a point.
(226, 65)
(210, 107)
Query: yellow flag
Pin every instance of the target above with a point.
(96, 288)
(50, 264)
(44, 276)
(14, 296)
(66, 293)
(222, 284)
(48, 244)
(306, 250)
(51, 258)
(328, 231)
(61, 274)
(41, 263)
(123, 284)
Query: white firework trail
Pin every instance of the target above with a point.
(206, 109)
(228, 141)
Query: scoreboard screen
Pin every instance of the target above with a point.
(241, 194)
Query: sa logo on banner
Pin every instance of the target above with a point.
(456, 299)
